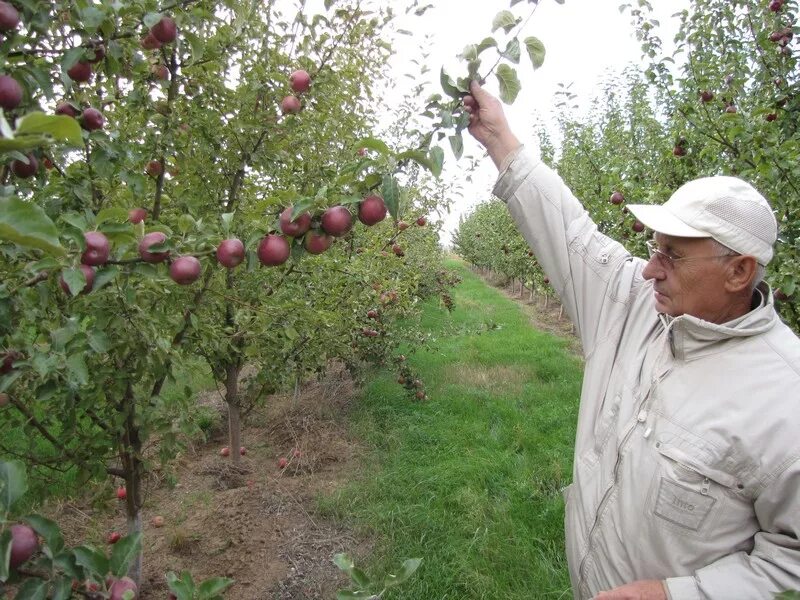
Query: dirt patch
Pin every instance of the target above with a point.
(507, 379)
(545, 312)
(256, 523)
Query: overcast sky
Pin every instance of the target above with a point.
(584, 39)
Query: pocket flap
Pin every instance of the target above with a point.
(694, 463)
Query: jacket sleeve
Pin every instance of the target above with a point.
(593, 275)
(771, 567)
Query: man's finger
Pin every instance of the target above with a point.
(480, 95)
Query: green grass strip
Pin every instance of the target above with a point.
(470, 480)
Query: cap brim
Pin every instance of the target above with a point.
(659, 219)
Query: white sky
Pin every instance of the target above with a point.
(584, 40)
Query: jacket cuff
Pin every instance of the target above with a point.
(683, 588)
(513, 171)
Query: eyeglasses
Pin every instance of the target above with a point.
(669, 261)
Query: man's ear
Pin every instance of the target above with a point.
(740, 273)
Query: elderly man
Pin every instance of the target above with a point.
(686, 477)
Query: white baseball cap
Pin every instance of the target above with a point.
(727, 209)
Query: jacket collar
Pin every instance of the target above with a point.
(691, 338)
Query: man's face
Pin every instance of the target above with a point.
(692, 286)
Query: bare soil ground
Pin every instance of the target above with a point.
(257, 524)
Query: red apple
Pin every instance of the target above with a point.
(149, 42)
(273, 250)
(24, 544)
(137, 215)
(242, 451)
(160, 72)
(362, 151)
(770, 117)
(546, 280)
(25, 170)
(372, 314)
(337, 221)
(297, 227)
(10, 92)
(730, 109)
(402, 225)
(185, 270)
(114, 537)
(4, 399)
(225, 451)
(154, 168)
(153, 239)
(65, 108)
(97, 250)
(122, 493)
(371, 210)
(420, 395)
(617, 198)
(158, 521)
(638, 226)
(165, 31)
(679, 151)
(282, 462)
(290, 105)
(9, 17)
(7, 361)
(88, 274)
(300, 81)
(120, 586)
(367, 332)
(92, 119)
(316, 242)
(230, 253)
(776, 5)
(706, 96)
(48, 164)
(80, 72)
(421, 221)
(398, 250)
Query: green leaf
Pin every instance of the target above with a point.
(5, 554)
(99, 341)
(390, 190)
(512, 51)
(488, 42)
(59, 127)
(436, 156)
(13, 484)
(509, 84)
(78, 369)
(418, 156)
(505, 19)
(123, 554)
(788, 596)
(448, 85)
(32, 589)
(182, 588)
(113, 215)
(407, 570)
(352, 595)
(536, 51)
(27, 225)
(48, 530)
(92, 560)
(470, 52)
(360, 578)
(301, 206)
(75, 280)
(213, 587)
(373, 144)
(457, 144)
(103, 276)
(62, 588)
(344, 562)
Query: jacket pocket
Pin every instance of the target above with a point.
(688, 493)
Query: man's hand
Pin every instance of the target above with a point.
(488, 125)
(650, 589)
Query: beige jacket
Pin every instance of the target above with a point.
(687, 454)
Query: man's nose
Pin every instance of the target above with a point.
(654, 269)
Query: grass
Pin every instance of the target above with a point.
(470, 480)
